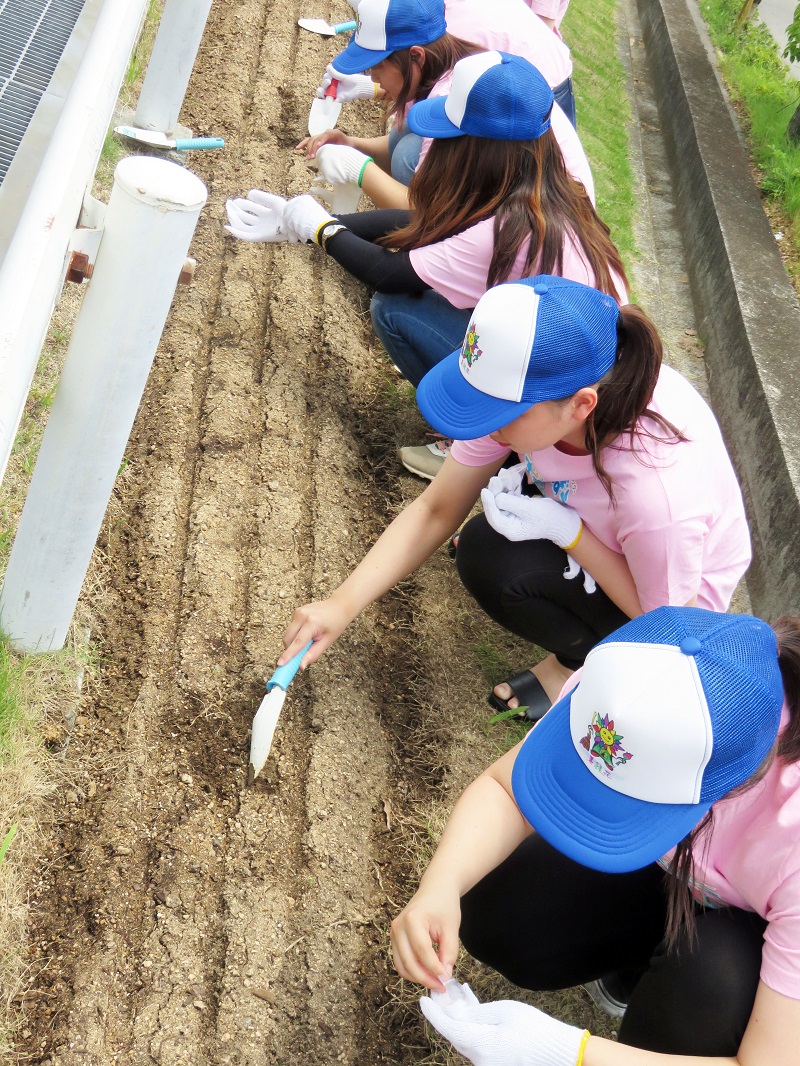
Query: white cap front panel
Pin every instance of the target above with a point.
(639, 721)
(497, 347)
(465, 73)
(371, 31)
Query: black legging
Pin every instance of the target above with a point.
(546, 922)
(522, 586)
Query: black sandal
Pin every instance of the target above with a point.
(534, 702)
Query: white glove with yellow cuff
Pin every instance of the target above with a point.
(531, 518)
(502, 1034)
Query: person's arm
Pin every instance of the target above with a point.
(510, 1033)
(411, 538)
(370, 225)
(486, 826)
(382, 188)
(380, 268)
(610, 570)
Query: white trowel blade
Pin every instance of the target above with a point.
(324, 115)
(264, 724)
(317, 26)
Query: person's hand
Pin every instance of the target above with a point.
(532, 518)
(257, 218)
(339, 164)
(312, 145)
(323, 622)
(302, 218)
(508, 479)
(506, 1033)
(431, 917)
(349, 86)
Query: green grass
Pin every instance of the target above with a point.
(604, 114)
(13, 710)
(759, 81)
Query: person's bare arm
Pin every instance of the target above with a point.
(485, 827)
(411, 538)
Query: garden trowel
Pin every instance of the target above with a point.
(324, 28)
(267, 715)
(160, 140)
(324, 113)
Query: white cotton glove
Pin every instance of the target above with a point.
(350, 86)
(258, 218)
(339, 164)
(303, 217)
(501, 1034)
(532, 518)
(508, 479)
(573, 570)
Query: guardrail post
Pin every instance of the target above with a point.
(174, 52)
(149, 223)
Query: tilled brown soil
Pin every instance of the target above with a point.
(182, 917)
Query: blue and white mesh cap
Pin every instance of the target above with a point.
(386, 26)
(541, 338)
(672, 711)
(492, 94)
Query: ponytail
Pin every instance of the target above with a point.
(680, 907)
(624, 394)
(787, 630)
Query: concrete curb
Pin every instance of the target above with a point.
(746, 307)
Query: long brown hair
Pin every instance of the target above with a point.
(625, 392)
(526, 187)
(441, 56)
(680, 906)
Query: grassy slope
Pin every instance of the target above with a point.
(760, 83)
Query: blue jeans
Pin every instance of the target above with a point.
(565, 98)
(418, 331)
(404, 149)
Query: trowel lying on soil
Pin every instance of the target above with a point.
(267, 715)
(160, 140)
(324, 28)
(324, 113)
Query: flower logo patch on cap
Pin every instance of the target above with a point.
(602, 742)
(470, 352)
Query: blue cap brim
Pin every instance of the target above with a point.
(581, 817)
(355, 59)
(428, 118)
(457, 409)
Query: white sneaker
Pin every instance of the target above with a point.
(427, 459)
(607, 997)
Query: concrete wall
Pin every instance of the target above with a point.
(746, 308)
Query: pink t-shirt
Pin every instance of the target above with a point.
(550, 9)
(457, 267)
(511, 27)
(679, 518)
(753, 862)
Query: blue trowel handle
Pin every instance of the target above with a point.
(190, 143)
(282, 677)
(344, 27)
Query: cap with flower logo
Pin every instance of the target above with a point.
(492, 94)
(671, 712)
(541, 338)
(386, 26)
